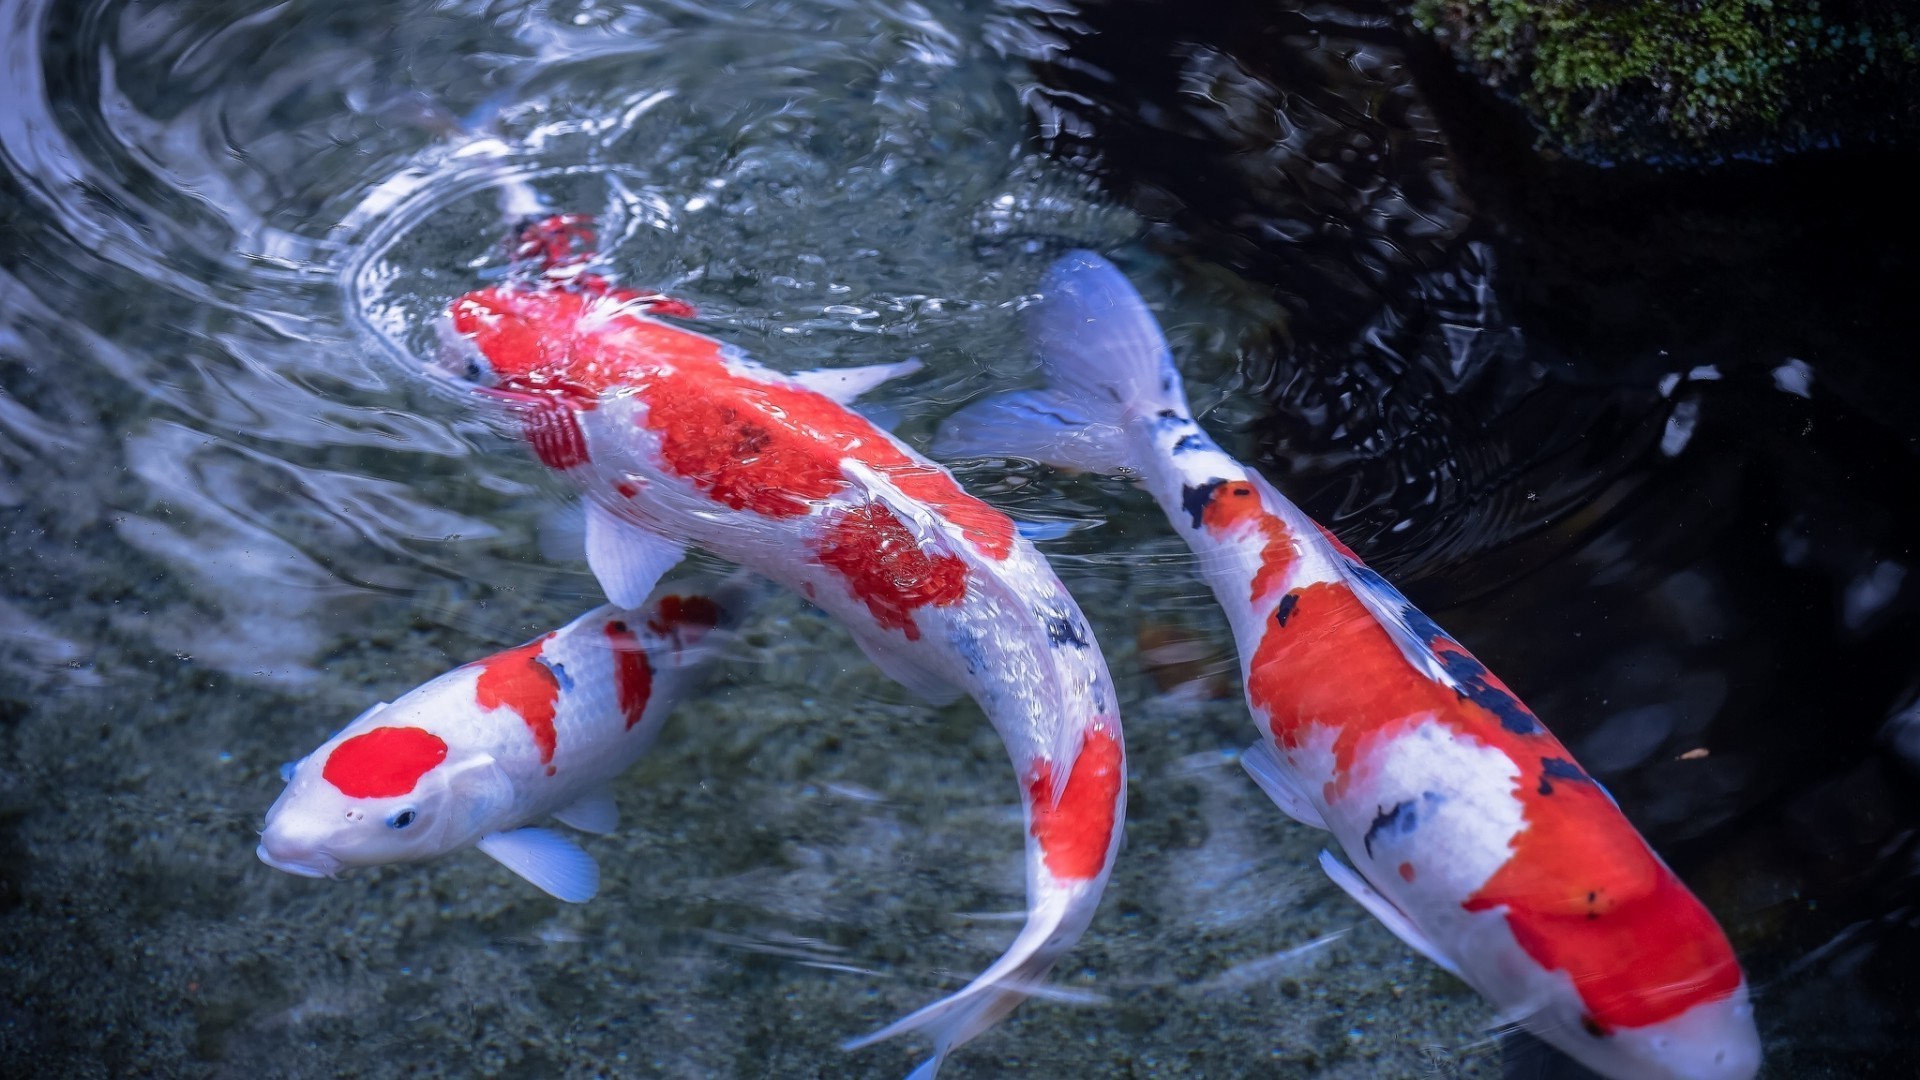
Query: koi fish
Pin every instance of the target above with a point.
(678, 440)
(479, 756)
(1473, 834)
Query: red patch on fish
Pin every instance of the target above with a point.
(632, 675)
(765, 447)
(1076, 833)
(885, 567)
(1236, 508)
(1406, 872)
(383, 763)
(519, 680)
(1581, 891)
(680, 614)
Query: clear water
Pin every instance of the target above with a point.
(239, 507)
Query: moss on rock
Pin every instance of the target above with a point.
(1635, 78)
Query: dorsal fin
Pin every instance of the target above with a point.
(1412, 632)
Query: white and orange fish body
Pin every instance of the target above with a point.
(677, 440)
(1475, 836)
(483, 755)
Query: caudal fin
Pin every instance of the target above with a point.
(1052, 927)
(1105, 362)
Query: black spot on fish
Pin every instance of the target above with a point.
(1186, 443)
(1063, 630)
(1475, 685)
(1195, 499)
(968, 645)
(1403, 818)
(1169, 414)
(1287, 604)
(1554, 768)
(559, 674)
(1472, 677)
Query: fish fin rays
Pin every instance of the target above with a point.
(1383, 909)
(547, 860)
(594, 812)
(1397, 616)
(844, 385)
(897, 664)
(1047, 426)
(1272, 777)
(957, 1018)
(627, 559)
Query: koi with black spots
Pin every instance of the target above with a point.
(1473, 833)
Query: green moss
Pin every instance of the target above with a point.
(1644, 75)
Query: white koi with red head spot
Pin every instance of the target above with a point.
(480, 755)
(678, 440)
(1475, 836)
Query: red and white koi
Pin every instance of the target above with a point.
(679, 440)
(1475, 836)
(481, 755)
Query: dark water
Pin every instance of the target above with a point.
(1646, 442)
(1647, 437)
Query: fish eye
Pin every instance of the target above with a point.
(402, 819)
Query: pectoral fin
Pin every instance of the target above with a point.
(593, 812)
(628, 559)
(1381, 908)
(549, 861)
(902, 667)
(1274, 779)
(845, 384)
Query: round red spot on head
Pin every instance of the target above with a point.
(384, 762)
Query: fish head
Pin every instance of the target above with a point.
(387, 792)
(515, 336)
(1712, 1040)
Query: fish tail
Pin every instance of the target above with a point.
(1053, 925)
(1105, 362)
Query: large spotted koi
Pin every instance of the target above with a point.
(482, 755)
(678, 440)
(1473, 833)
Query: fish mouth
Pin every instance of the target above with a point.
(317, 865)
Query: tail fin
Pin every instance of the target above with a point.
(1053, 925)
(1105, 361)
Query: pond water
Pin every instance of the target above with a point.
(240, 505)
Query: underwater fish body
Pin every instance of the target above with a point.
(1473, 833)
(482, 755)
(678, 440)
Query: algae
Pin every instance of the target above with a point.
(1691, 78)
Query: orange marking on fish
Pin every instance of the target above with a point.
(770, 448)
(1407, 872)
(632, 674)
(688, 616)
(1580, 885)
(1076, 832)
(519, 680)
(1581, 890)
(886, 569)
(1236, 508)
(383, 763)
